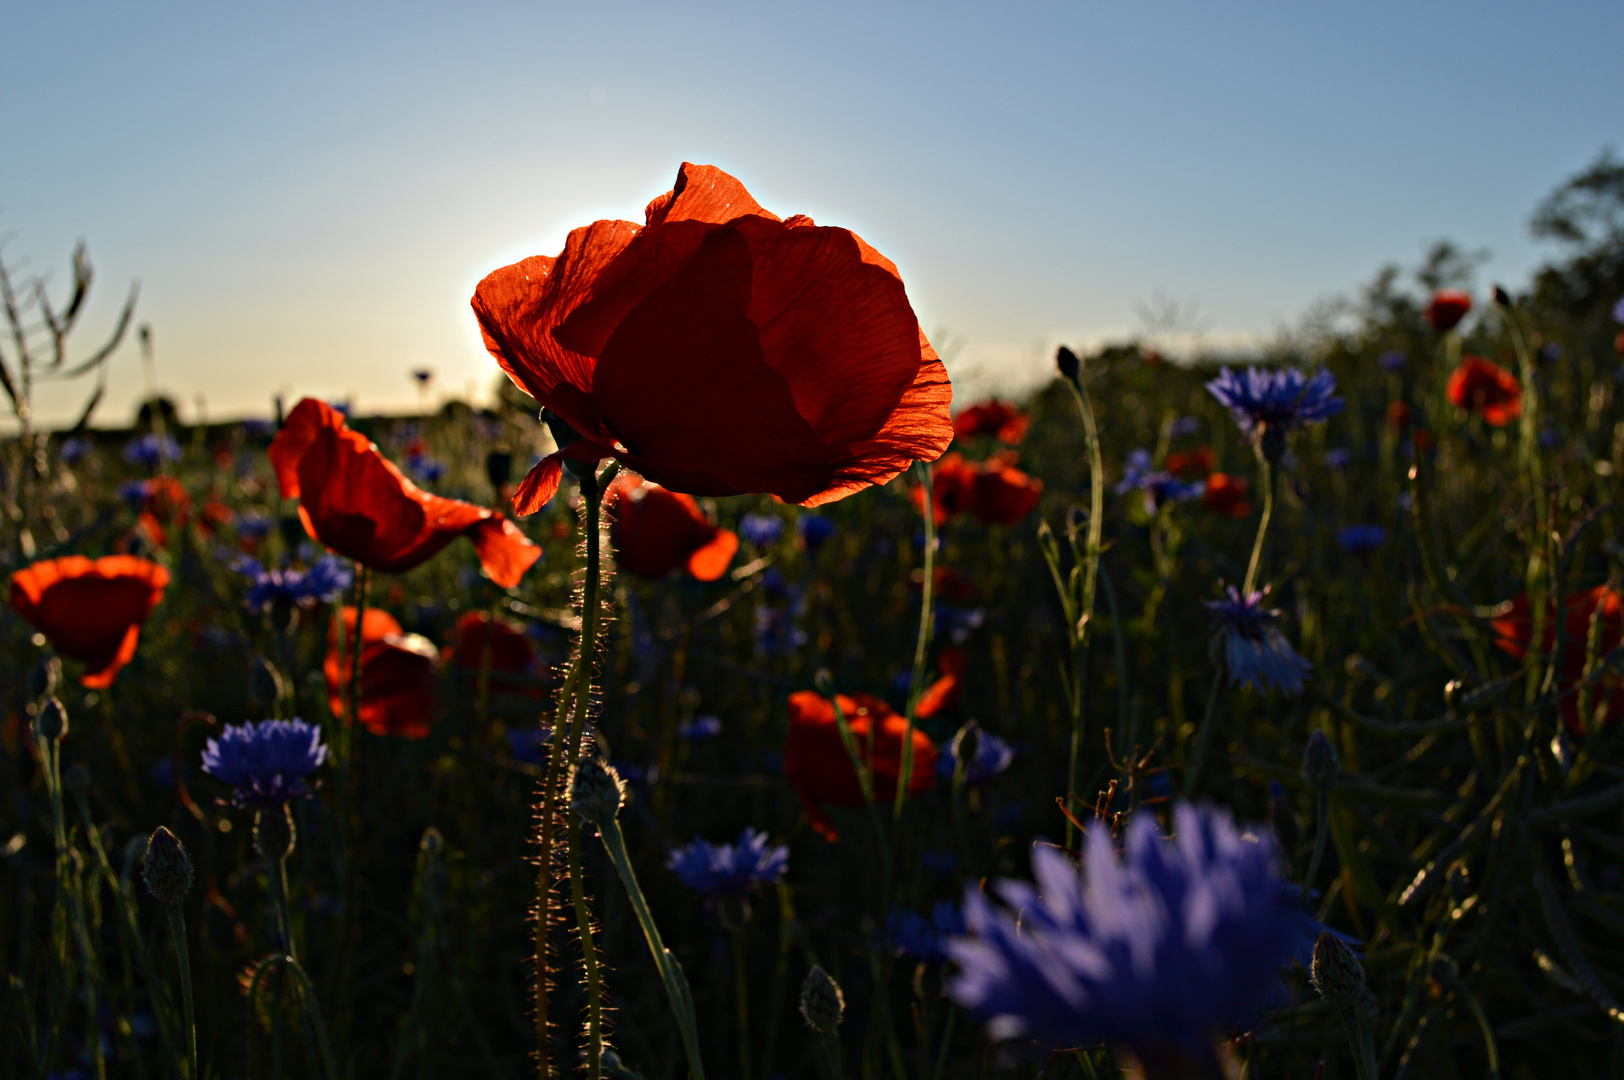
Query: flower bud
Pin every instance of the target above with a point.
(274, 833)
(597, 791)
(1501, 297)
(167, 869)
(824, 682)
(1067, 362)
(1320, 767)
(46, 675)
(499, 467)
(1337, 973)
(265, 686)
(822, 1003)
(51, 722)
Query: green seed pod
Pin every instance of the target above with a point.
(167, 869)
(596, 791)
(1067, 362)
(1337, 973)
(1320, 766)
(51, 722)
(822, 1003)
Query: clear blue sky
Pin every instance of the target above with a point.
(308, 193)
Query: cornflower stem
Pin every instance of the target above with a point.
(741, 996)
(922, 643)
(830, 1047)
(1265, 476)
(1081, 611)
(1204, 736)
(676, 983)
(312, 1013)
(1362, 1042)
(947, 1041)
(589, 953)
(177, 927)
(1322, 827)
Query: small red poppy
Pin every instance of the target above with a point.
(1398, 416)
(509, 647)
(999, 419)
(944, 694)
(1447, 308)
(950, 480)
(90, 609)
(656, 530)
(817, 765)
(398, 675)
(1225, 494)
(1001, 494)
(717, 350)
(951, 585)
(1618, 343)
(1514, 631)
(1191, 464)
(1484, 387)
(360, 505)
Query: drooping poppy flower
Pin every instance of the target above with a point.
(720, 350)
(1191, 464)
(90, 609)
(398, 675)
(1001, 494)
(1514, 630)
(1226, 494)
(1484, 387)
(944, 694)
(1447, 308)
(999, 419)
(360, 505)
(509, 648)
(656, 530)
(817, 765)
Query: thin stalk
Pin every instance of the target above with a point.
(1265, 475)
(1322, 813)
(947, 1040)
(741, 997)
(1204, 736)
(921, 644)
(177, 927)
(1090, 566)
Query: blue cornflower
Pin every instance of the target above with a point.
(134, 492)
(150, 451)
(923, 937)
(1272, 402)
(992, 756)
(256, 428)
(525, 743)
(1392, 360)
(957, 624)
(761, 530)
(266, 762)
(1550, 353)
(699, 729)
(324, 582)
(74, 449)
(1255, 651)
(254, 525)
(1361, 540)
(1176, 942)
(815, 531)
(718, 870)
(425, 468)
(1184, 425)
(340, 407)
(1618, 310)
(1160, 487)
(1338, 457)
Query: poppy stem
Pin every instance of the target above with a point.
(922, 643)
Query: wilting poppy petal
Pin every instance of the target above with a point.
(817, 765)
(1486, 388)
(90, 609)
(398, 675)
(360, 505)
(656, 530)
(718, 350)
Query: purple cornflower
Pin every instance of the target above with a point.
(1361, 540)
(1255, 651)
(74, 449)
(761, 530)
(957, 624)
(924, 936)
(1271, 402)
(699, 729)
(1166, 948)
(992, 756)
(135, 492)
(255, 428)
(1160, 487)
(324, 582)
(1392, 361)
(150, 451)
(815, 530)
(1184, 425)
(266, 762)
(1618, 310)
(1338, 457)
(722, 870)
(253, 525)
(425, 468)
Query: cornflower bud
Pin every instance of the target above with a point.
(274, 834)
(1337, 973)
(167, 869)
(51, 723)
(1320, 767)
(822, 1003)
(597, 791)
(43, 681)
(1067, 362)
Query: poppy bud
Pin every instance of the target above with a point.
(1320, 767)
(499, 467)
(77, 778)
(1337, 973)
(47, 673)
(274, 833)
(822, 1003)
(167, 869)
(597, 791)
(265, 686)
(51, 723)
(1068, 363)
(1501, 297)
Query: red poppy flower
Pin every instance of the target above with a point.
(951, 585)
(215, 514)
(360, 505)
(509, 648)
(398, 674)
(1485, 387)
(999, 419)
(943, 695)
(656, 530)
(1398, 416)
(1191, 464)
(816, 763)
(1001, 494)
(1447, 308)
(950, 480)
(1225, 494)
(719, 350)
(1618, 343)
(1514, 631)
(90, 609)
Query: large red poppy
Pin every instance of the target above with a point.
(999, 419)
(656, 530)
(1514, 631)
(90, 609)
(508, 647)
(360, 505)
(817, 765)
(398, 675)
(1447, 308)
(1482, 386)
(1225, 494)
(719, 350)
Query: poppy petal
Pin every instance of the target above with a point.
(539, 485)
(504, 551)
(711, 561)
(302, 427)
